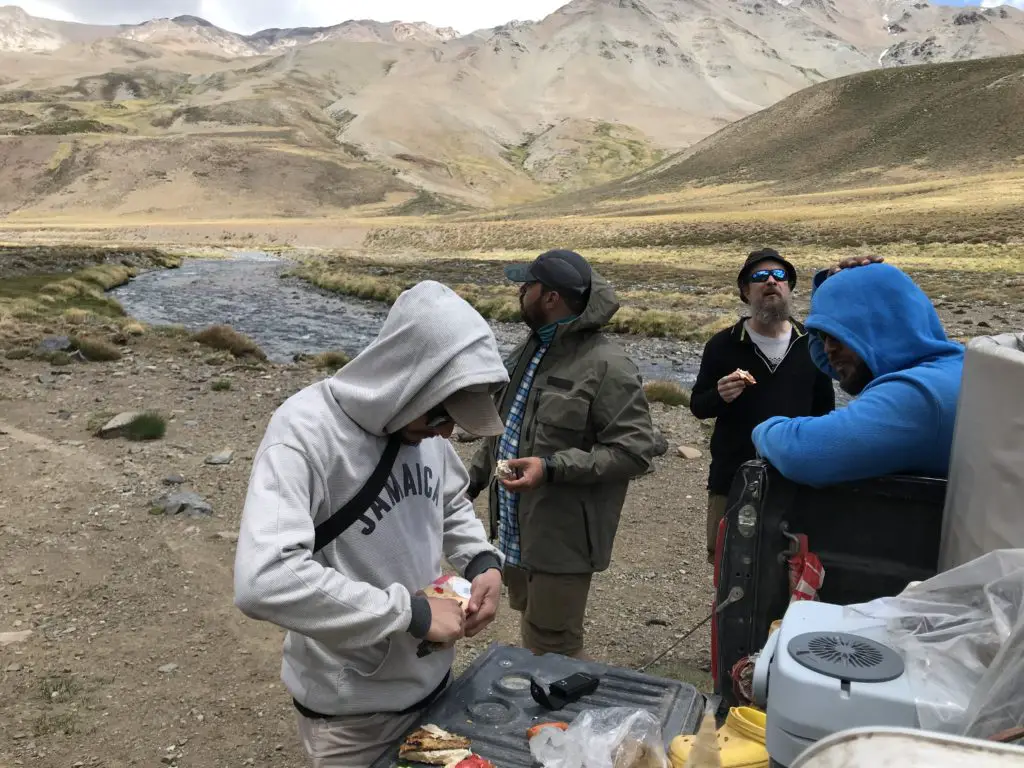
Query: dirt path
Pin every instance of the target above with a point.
(137, 655)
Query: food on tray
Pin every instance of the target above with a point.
(533, 730)
(503, 471)
(475, 761)
(746, 376)
(433, 745)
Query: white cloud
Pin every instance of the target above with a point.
(997, 3)
(465, 15)
(249, 16)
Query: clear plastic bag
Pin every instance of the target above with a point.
(961, 634)
(617, 737)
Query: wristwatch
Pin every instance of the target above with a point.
(549, 469)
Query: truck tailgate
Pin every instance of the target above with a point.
(490, 702)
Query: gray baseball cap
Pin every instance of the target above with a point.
(560, 270)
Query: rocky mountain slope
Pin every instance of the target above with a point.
(597, 90)
(888, 125)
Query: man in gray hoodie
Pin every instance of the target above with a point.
(352, 605)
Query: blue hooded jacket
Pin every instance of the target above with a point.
(902, 422)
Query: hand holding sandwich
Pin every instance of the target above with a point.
(730, 387)
(483, 604)
(447, 621)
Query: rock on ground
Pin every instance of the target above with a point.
(116, 426)
(221, 457)
(187, 503)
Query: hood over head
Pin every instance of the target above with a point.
(882, 315)
(601, 306)
(432, 344)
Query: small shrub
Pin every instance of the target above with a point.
(173, 331)
(58, 358)
(667, 392)
(18, 354)
(221, 385)
(146, 426)
(96, 350)
(331, 360)
(97, 419)
(226, 338)
(76, 316)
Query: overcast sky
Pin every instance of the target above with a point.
(249, 16)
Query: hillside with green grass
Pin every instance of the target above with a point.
(965, 117)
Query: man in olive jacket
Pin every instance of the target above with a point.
(577, 430)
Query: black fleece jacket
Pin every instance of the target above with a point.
(795, 388)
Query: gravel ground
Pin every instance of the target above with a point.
(136, 654)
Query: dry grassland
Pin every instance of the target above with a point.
(686, 293)
(672, 258)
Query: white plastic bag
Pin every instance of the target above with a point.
(617, 737)
(961, 634)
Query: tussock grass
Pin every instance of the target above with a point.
(67, 284)
(135, 328)
(146, 426)
(226, 338)
(172, 331)
(647, 313)
(331, 361)
(58, 358)
(96, 420)
(221, 385)
(686, 293)
(77, 316)
(667, 392)
(96, 350)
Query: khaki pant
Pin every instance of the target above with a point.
(716, 511)
(553, 607)
(351, 742)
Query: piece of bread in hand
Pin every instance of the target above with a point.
(746, 376)
(503, 471)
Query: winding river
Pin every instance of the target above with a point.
(287, 316)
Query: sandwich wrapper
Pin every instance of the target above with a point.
(449, 587)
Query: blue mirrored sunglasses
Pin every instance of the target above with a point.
(762, 275)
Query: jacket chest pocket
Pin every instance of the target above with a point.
(561, 421)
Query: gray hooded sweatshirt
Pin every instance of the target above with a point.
(348, 608)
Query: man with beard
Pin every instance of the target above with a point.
(876, 332)
(577, 430)
(754, 370)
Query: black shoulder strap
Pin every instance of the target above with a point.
(336, 524)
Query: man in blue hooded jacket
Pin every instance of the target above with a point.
(875, 332)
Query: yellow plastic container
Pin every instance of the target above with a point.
(741, 740)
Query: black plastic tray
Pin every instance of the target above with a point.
(490, 703)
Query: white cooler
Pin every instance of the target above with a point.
(827, 670)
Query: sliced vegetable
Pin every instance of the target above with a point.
(535, 729)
